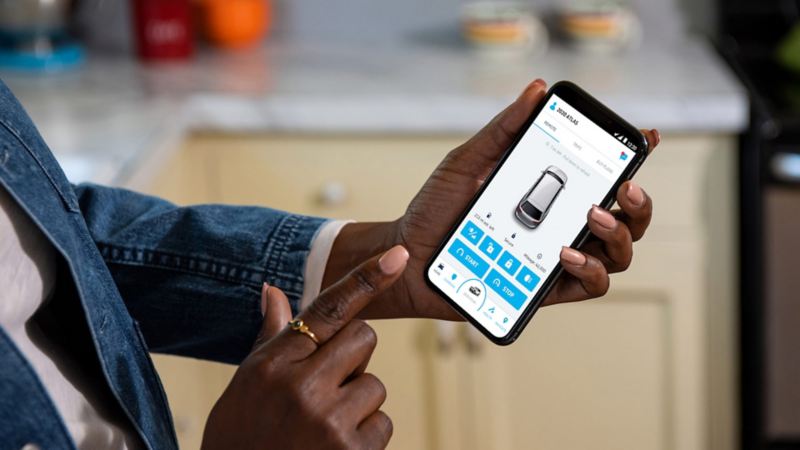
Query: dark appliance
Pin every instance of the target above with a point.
(750, 31)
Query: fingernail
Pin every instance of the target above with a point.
(535, 84)
(264, 295)
(573, 256)
(635, 194)
(656, 135)
(603, 217)
(393, 260)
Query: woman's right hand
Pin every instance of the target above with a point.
(292, 393)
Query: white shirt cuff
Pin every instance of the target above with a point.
(318, 259)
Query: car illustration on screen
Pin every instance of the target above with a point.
(536, 203)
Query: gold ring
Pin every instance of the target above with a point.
(299, 326)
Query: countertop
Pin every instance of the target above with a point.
(104, 119)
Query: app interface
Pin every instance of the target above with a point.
(511, 239)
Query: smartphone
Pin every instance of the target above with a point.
(501, 258)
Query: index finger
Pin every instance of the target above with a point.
(636, 209)
(340, 303)
(653, 139)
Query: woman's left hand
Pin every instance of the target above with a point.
(449, 191)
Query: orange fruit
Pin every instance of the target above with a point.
(236, 23)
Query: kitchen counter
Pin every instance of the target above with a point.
(103, 120)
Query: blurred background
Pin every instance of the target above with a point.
(342, 109)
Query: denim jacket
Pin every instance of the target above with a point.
(146, 276)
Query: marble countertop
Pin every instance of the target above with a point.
(104, 119)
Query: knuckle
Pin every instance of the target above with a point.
(267, 368)
(620, 249)
(364, 333)
(387, 426)
(638, 234)
(599, 279)
(295, 391)
(622, 235)
(261, 339)
(603, 283)
(500, 133)
(365, 282)
(379, 387)
(374, 385)
(628, 261)
(645, 214)
(640, 228)
(622, 265)
(300, 398)
(334, 432)
(300, 389)
(331, 310)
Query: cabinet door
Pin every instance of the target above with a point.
(348, 178)
(649, 366)
(359, 179)
(583, 376)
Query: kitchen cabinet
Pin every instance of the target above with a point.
(650, 366)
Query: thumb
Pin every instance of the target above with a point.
(277, 313)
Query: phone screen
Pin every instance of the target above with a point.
(508, 244)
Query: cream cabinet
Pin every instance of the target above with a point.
(648, 367)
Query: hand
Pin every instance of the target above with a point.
(447, 193)
(291, 393)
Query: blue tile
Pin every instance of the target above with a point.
(528, 279)
(490, 248)
(505, 289)
(508, 263)
(472, 233)
(468, 258)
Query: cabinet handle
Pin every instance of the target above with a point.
(332, 193)
(786, 167)
(446, 336)
(474, 339)
(184, 424)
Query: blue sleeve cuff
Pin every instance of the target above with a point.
(287, 251)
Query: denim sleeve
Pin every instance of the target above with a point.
(191, 276)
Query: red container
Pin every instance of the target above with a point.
(163, 29)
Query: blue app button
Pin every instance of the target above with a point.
(528, 279)
(505, 289)
(490, 248)
(468, 258)
(472, 233)
(509, 263)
